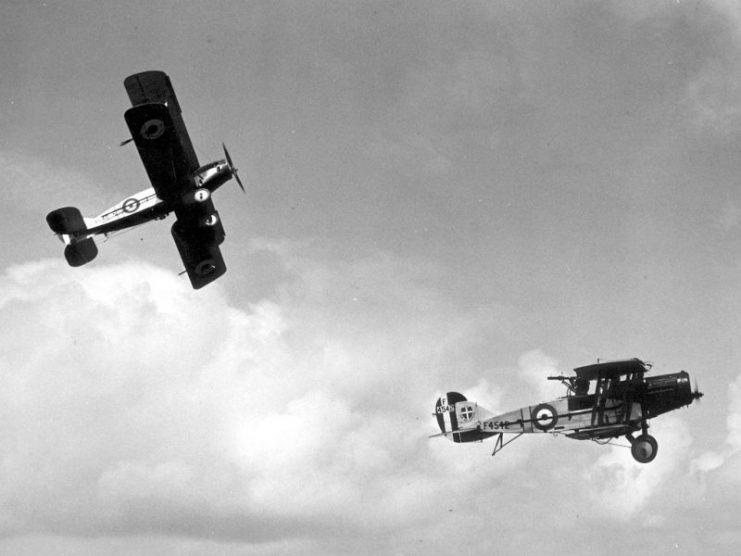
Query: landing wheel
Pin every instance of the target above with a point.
(644, 448)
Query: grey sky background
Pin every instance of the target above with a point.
(440, 196)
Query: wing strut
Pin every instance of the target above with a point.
(499, 443)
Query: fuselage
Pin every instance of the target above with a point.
(618, 409)
(604, 400)
(146, 205)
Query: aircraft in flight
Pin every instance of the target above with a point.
(179, 184)
(603, 401)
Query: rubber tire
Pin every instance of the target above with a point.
(644, 448)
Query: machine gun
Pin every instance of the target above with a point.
(574, 384)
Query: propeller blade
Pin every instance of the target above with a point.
(239, 182)
(232, 168)
(696, 395)
(125, 142)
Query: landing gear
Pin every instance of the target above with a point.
(644, 448)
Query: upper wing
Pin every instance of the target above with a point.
(154, 87)
(159, 132)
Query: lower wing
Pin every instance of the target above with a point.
(199, 250)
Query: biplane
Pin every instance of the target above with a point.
(179, 184)
(603, 401)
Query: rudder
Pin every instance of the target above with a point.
(460, 419)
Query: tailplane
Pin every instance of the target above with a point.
(69, 225)
(460, 419)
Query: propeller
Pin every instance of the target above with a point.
(232, 168)
(696, 394)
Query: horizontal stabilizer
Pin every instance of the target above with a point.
(80, 252)
(66, 220)
(69, 224)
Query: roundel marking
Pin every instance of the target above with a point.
(206, 267)
(152, 129)
(544, 417)
(210, 220)
(201, 194)
(130, 205)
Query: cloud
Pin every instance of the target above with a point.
(133, 405)
(621, 488)
(679, 477)
(724, 463)
(733, 422)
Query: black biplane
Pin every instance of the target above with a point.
(603, 401)
(179, 184)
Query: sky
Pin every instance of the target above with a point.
(441, 196)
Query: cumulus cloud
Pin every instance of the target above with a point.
(734, 417)
(134, 405)
(622, 487)
(725, 461)
(680, 476)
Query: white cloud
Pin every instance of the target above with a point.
(705, 462)
(734, 417)
(133, 404)
(726, 461)
(621, 487)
